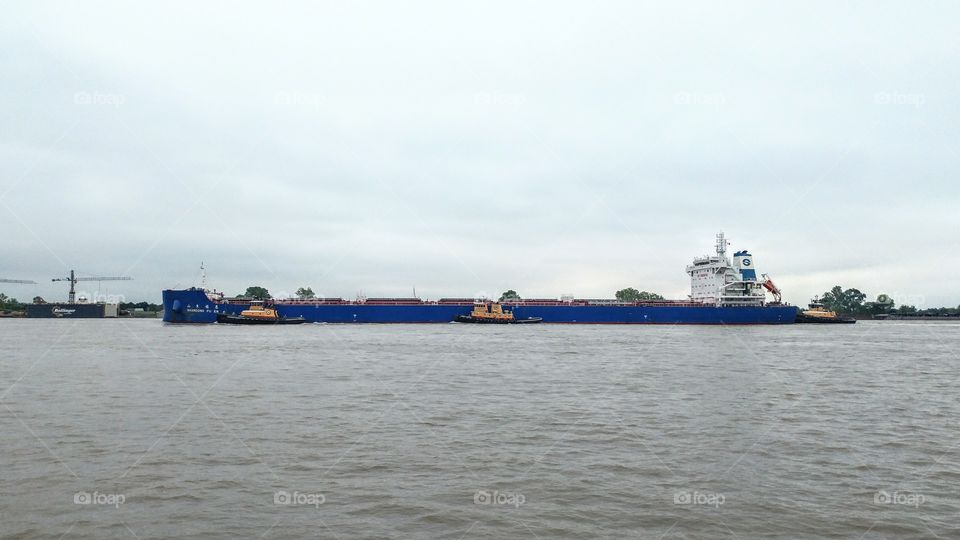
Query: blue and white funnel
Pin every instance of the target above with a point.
(743, 262)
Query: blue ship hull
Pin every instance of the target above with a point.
(193, 306)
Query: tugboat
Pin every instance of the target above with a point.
(493, 313)
(258, 314)
(817, 313)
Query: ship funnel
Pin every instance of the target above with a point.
(743, 262)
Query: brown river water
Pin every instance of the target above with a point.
(137, 429)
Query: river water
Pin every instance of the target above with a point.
(136, 429)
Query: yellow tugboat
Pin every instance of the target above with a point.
(493, 313)
(258, 313)
(817, 313)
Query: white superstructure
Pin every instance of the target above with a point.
(716, 280)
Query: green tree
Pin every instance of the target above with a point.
(39, 300)
(628, 295)
(9, 304)
(844, 301)
(832, 298)
(632, 295)
(305, 293)
(257, 291)
(509, 295)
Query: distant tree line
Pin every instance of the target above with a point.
(9, 304)
(624, 295)
(146, 306)
(852, 302)
(261, 293)
(632, 295)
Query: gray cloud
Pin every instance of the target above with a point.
(561, 148)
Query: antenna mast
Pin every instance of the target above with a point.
(721, 245)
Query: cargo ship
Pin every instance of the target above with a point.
(722, 291)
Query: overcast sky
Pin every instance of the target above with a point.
(462, 148)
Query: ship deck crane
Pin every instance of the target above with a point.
(74, 280)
